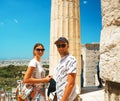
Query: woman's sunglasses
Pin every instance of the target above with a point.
(39, 50)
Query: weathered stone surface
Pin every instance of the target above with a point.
(90, 54)
(110, 49)
(110, 12)
(110, 53)
(112, 91)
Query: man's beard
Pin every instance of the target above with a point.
(63, 53)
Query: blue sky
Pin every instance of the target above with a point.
(26, 22)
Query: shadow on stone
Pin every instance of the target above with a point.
(90, 89)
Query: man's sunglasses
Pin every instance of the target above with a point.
(61, 45)
(39, 50)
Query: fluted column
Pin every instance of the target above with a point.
(65, 21)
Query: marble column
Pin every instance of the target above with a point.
(110, 49)
(65, 21)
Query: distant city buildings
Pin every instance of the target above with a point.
(20, 62)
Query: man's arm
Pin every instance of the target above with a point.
(69, 86)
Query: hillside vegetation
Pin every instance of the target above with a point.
(10, 74)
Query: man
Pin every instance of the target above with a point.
(98, 74)
(65, 72)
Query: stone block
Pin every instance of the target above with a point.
(110, 54)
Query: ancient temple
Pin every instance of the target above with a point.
(65, 21)
(89, 58)
(110, 49)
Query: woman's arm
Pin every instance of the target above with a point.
(29, 79)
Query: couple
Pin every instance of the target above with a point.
(65, 72)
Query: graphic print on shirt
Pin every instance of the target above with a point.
(66, 66)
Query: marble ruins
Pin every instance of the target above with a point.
(65, 21)
(110, 48)
(89, 61)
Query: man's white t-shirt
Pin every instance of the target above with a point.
(67, 65)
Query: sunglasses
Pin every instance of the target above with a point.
(39, 50)
(61, 45)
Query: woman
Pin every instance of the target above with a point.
(2, 95)
(35, 75)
